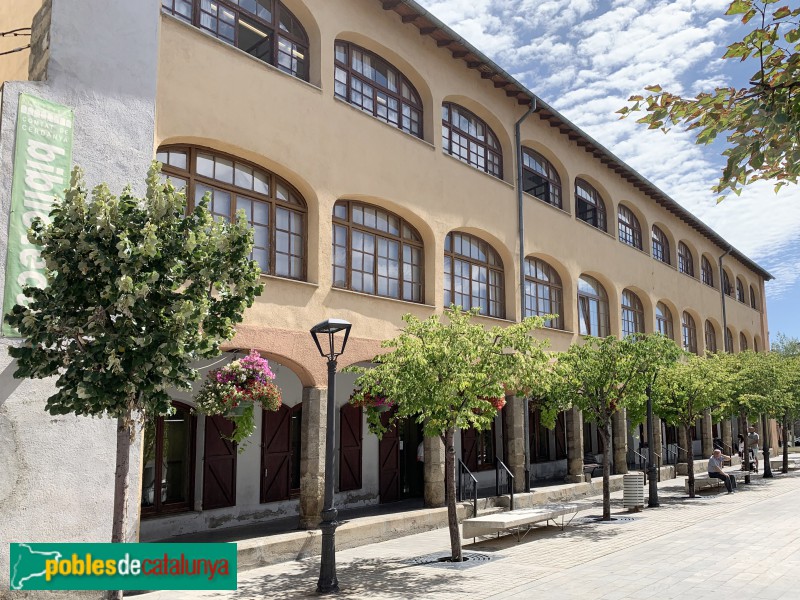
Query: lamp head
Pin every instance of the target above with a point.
(330, 328)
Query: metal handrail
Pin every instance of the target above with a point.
(509, 480)
(670, 453)
(463, 483)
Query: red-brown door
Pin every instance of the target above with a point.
(219, 466)
(389, 463)
(276, 452)
(350, 448)
(469, 448)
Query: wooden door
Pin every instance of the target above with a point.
(219, 466)
(276, 452)
(561, 435)
(389, 463)
(469, 448)
(350, 448)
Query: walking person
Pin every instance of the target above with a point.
(752, 444)
(715, 463)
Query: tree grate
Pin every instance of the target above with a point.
(599, 519)
(439, 559)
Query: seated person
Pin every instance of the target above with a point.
(715, 470)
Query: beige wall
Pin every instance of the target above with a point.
(13, 15)
(213, 95)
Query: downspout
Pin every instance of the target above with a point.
(521, 233)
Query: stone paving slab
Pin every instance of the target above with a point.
(743, 545)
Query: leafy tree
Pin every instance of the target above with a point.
(788, 349)
(754, 389)
(685, 391)
(786, 346)
(760, 122)
(137, 290)
(603, 376)
(450, 376)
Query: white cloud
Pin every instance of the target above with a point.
(586, 58)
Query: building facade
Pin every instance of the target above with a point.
(384, 164)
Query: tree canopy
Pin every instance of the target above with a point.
(451, 375)
(761, 121)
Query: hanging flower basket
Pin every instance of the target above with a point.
(236, 389)
(380, 404)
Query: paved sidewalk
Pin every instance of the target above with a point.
(743, 545)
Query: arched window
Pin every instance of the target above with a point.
(689, 333)
(711, 337)
(664, 320)
(632, 314)
(753, 302)
(740, 291)
(168, 465)
(469, 139)
(376, 252)
(543, 292)
(728, 341)
(265, 29)
(274, 208)
(473, 275)
(629, 230)
(367, 81)
(539, 178)
(593, 317)
(661, 246)
(742, 342)
(589, 206)
(727, 287)
(685, 260)
(706, 271)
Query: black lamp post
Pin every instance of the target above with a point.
(652, 477)
(328, 584)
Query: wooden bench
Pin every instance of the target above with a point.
(703, 481)
(590, 465)
(519, 521)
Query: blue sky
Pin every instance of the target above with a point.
(586, 57)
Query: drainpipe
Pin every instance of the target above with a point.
(521, 233)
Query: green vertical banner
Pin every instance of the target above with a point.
(42, 164)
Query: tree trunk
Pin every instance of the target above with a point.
(450, 494)
(119, 528)
(605, 432)
(746, 450)
(690, 462)
(785, 468)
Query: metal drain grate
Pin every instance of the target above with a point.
(599, 519)
(439, 559)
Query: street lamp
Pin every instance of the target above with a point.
(328, 584)
(652, 477)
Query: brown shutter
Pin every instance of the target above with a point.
(561, 436)
(350, 448)
(276, 452)
(219, 467)
(469, 448)
(389, 463)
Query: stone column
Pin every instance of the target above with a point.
(434, 471)
(574, 425)
(683, 444)
(707, 438)
(727, 438)
(314, 428)
(619, 436)
(515, 444)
